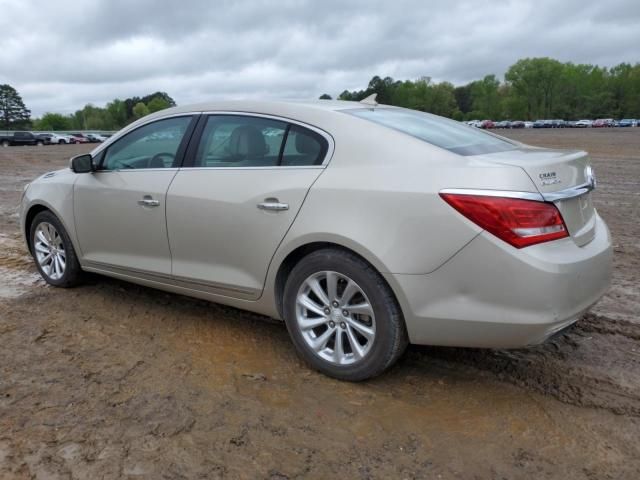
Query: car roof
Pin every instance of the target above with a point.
(269, 105)
(315, 112)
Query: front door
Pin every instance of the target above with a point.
(120, 209)
(230, 207)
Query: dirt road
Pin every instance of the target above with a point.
(112, 380)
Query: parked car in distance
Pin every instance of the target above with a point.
(503, 124)
(570, 124)
(517, 124)
(486, 124)
(293, 211)
(20, 138)
(539, 124)
(627, 122)
(528, 124)
(46, 137)
(59, 139)
(584, 124)
(95, 138)
(558, 123)
(603, 122)
(78, 138)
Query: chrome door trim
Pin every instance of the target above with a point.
(495, 193)
(183, 282)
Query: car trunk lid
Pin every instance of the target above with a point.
(562, 177)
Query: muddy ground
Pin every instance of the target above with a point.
(111, 380)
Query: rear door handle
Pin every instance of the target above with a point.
(273, 204)
(148, 201)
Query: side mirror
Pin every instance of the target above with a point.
(82, 163)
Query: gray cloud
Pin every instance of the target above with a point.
(61, 55)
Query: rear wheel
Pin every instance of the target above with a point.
(342, 316)
(53, 251)
(39, 143)
(5, 143)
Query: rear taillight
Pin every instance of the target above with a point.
(518, 222)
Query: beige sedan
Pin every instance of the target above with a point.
(364, 227)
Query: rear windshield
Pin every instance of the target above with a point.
(444, 133)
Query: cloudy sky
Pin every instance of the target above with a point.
(62, 54)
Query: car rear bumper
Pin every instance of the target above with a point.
(493, 295)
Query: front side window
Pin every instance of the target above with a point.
(441, 132)
(152, 146)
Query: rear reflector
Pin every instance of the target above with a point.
(520, 223)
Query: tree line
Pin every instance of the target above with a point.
(533, 88)
(14, 115)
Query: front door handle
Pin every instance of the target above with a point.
(148, 201)
(273, 204)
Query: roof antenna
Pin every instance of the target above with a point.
(370, 100)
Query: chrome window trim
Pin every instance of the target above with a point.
(134, 170)
(272, 167)
(326, 135)
(495, 193)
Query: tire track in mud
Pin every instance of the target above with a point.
(594, 364)
(17, 273)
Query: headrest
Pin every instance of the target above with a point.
(248, 142)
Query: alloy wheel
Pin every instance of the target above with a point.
(335, 318)
(49, 251)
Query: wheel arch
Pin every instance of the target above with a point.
(28, 221)
(293, 257)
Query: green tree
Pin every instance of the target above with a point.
(53, 121)
(157, 103)
(140, 110)
(117, 114)
(325, 96)
(13, 112)
(536, 80)
(485, 97)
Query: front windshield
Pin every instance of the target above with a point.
(442, 132)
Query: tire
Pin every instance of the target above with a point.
(386, 337)
(61, 142)
(5, 143)
(39, 143)
(47, 224)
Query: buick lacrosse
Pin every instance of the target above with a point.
(364, 227)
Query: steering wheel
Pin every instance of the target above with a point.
(157, 159)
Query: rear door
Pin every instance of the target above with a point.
(120, 209)
(230, 206)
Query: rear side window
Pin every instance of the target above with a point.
(303, 147)
(244, 141)
(441, 132)
(239, 141)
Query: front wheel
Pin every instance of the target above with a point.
(53, 251)
(342, 316)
